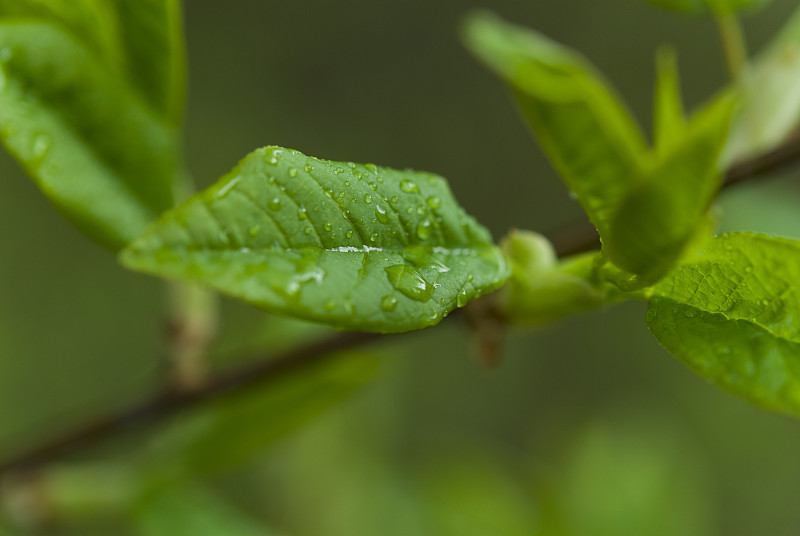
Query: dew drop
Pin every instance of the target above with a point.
(374, 186)
(421, 210)
(409, 281)
(434, 202)
(308, 168)
(367, 199)
(424, 230)
(302, 214)
(409, 210)
(327, 226)
(274, 157)
(347, 183)
(388, 303)
(255, 230)
(274, 204)
(462, 299)
(395, 199)
(349, 233)
(374, 237)
(409, 187)
(381, 214)
(351, 165)
(307, 230)
(293, 172)
(372, 167)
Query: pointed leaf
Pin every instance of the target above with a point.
(669, 123)
(92, 146)
(733, 316)
(657, 219)
(581, 125)
(357, 247)
(141, 40)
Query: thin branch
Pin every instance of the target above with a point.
(567, 241)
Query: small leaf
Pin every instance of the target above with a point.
(92, 146)
(669, 122)
(140, 40)
(589, 136)
(770, 101)
(542, 289)
(354, 246)
(704, 6)
(660, 216)
(234, 429)
(733, 316)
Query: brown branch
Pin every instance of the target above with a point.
(567, 241)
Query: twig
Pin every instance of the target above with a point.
(567, 241)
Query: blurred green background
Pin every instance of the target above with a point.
(588, 427)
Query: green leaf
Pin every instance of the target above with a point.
(770, 104)
(354, 246)
(733, 316)
(193, 511)
(660, 216)
(669, 122)
(579, 122)
(704, 6)
(95, 149)
(140, 40)
(543, 289)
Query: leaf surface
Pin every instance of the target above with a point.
(733, 316)
(581, 125)
(93, 147)
(353, 246)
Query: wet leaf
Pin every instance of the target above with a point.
(353, 246)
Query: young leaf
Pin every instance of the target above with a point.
(659, 217)
(92, 146)
(353, 246)
(770, 102)
(733, 316)
(669, 122)
(140, 40)
(581, 125)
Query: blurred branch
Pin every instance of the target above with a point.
(567, 241)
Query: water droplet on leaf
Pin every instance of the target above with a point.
(409, 281)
